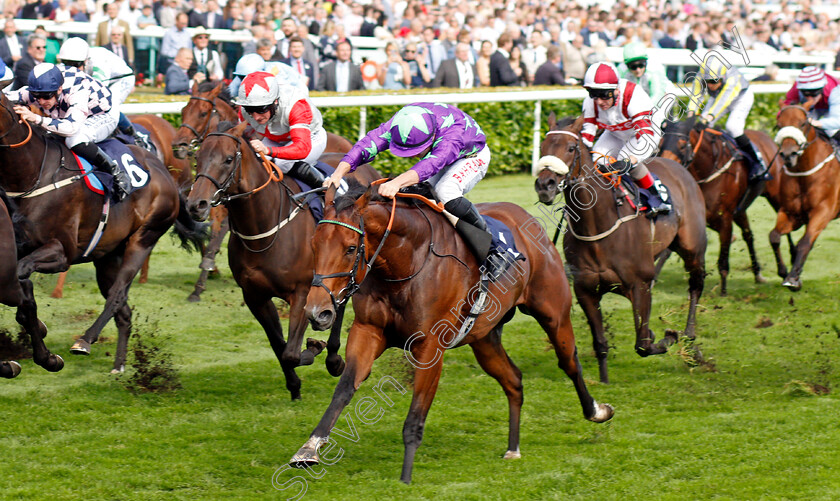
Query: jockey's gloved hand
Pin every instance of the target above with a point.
(622, 166)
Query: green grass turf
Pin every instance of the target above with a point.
(745, 431)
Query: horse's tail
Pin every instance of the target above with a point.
(19, 221)
(191, 233)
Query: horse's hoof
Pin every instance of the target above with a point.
(335, 365)
(793, 284)
(55, 363)
(603, 413)
(10, 369)
(512, 455)
(308, 454)
(759, 279)
(316, 346)
(194, 298)
(81, 347)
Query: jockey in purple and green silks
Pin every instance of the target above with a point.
(453, 155)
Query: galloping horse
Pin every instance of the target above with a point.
(413, 276)
(610, 246)
(65, 215)
(723, 178)
(209, 105)
(269, 253)
(161, 135)
(12, 294)
(808, 190)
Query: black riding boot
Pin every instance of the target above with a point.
(103, 162)
(139, 139)
(472, 227)
(758, 169)
(308, 174)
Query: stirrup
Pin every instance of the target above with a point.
(663, 208)
(495, 266)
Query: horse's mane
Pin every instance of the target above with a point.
(225, 126)
(356, 190)
(224, 95)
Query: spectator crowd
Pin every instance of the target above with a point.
(440, 43)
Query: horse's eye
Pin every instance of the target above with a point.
(229, 159)
(351, 249)
(570, 148)
(203, 114)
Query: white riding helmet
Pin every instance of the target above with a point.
(811, 78)
(74, 49)
(601, 76)
(258, 89)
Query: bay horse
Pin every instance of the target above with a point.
(808, 189)
(209, 105)
(12, 294)
(269, 252)
(161, 135)
(611, 247)
(64, 216)
(722, 174)
(413, 275)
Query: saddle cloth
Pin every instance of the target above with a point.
(103, 182)
(142, 132)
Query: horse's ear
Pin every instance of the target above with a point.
(364, 200)
(329, 197)
(239, 129)
(578, 125)
(5, 84)
(552, 120)
(217, 90)
(194, 90)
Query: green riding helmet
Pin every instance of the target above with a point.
(635, 51)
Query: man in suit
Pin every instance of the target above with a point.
(456, 72)
(341, 75)
(103, 33)
(549, 72)
(11, 45)
(501, 72)
(205, 59)
(36, 51)
(300, 65)
(289, 28)
(214, 18)
(177, 79)
(116, 46)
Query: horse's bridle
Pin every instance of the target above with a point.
(790, 131)
(199, 138)
(685, 151)
(221, 196)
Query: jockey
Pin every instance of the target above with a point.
(817, 91)
(623, 109)
(108, 68)
(650, 75)
(453, 155)
(293, 133)
(249, 63)
(729, 93)
(77, 108)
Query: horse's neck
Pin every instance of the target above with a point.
(24, 163)
(409, 232)
(248, 213)
(817, 151)
(714, 153)
(227, 112)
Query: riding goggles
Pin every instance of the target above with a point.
(258, 109)
(811, 92)
(637, 65)
(42, 95)
(710, 81)
(601, 93)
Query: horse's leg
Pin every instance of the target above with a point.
(106, 272)
(144, 271)
(364, 345)
(9, 370)
(265, 312)
(725, 234)
(297, 327)
(640, 298)
(58, 291)
(744, 223)
(591, 305)
(208, 261)
(49, 258)
(334, 362)
(27, 316)
(557, 324)
(817, 221)
(494, 360)
(783, 226)
(660, 263)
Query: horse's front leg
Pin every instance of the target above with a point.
(590, 302)
(725, 234)
(49, 258)
(817, 221)
(783, 227)
(27, 316)
(297, 327)
(263, 309)
(364, 345)
(208, 261)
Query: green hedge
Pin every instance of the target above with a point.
(508, 127)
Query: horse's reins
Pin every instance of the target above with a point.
(199, 138)
(800, 137)
(35, 191)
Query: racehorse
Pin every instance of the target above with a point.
(269, 253)
(209, 105)
(161, 135)
(808, 191)
(12, 294)
(610, 246)
(64, 216)
(722, 173)
(413, 276)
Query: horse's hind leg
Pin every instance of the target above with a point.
(744, 223)
(27, 316)
(661, 259)
(555, 321)
(58, 291)
(725, 234)
(591, 305)
(426, 379)
(265, 312)
(493, 358)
